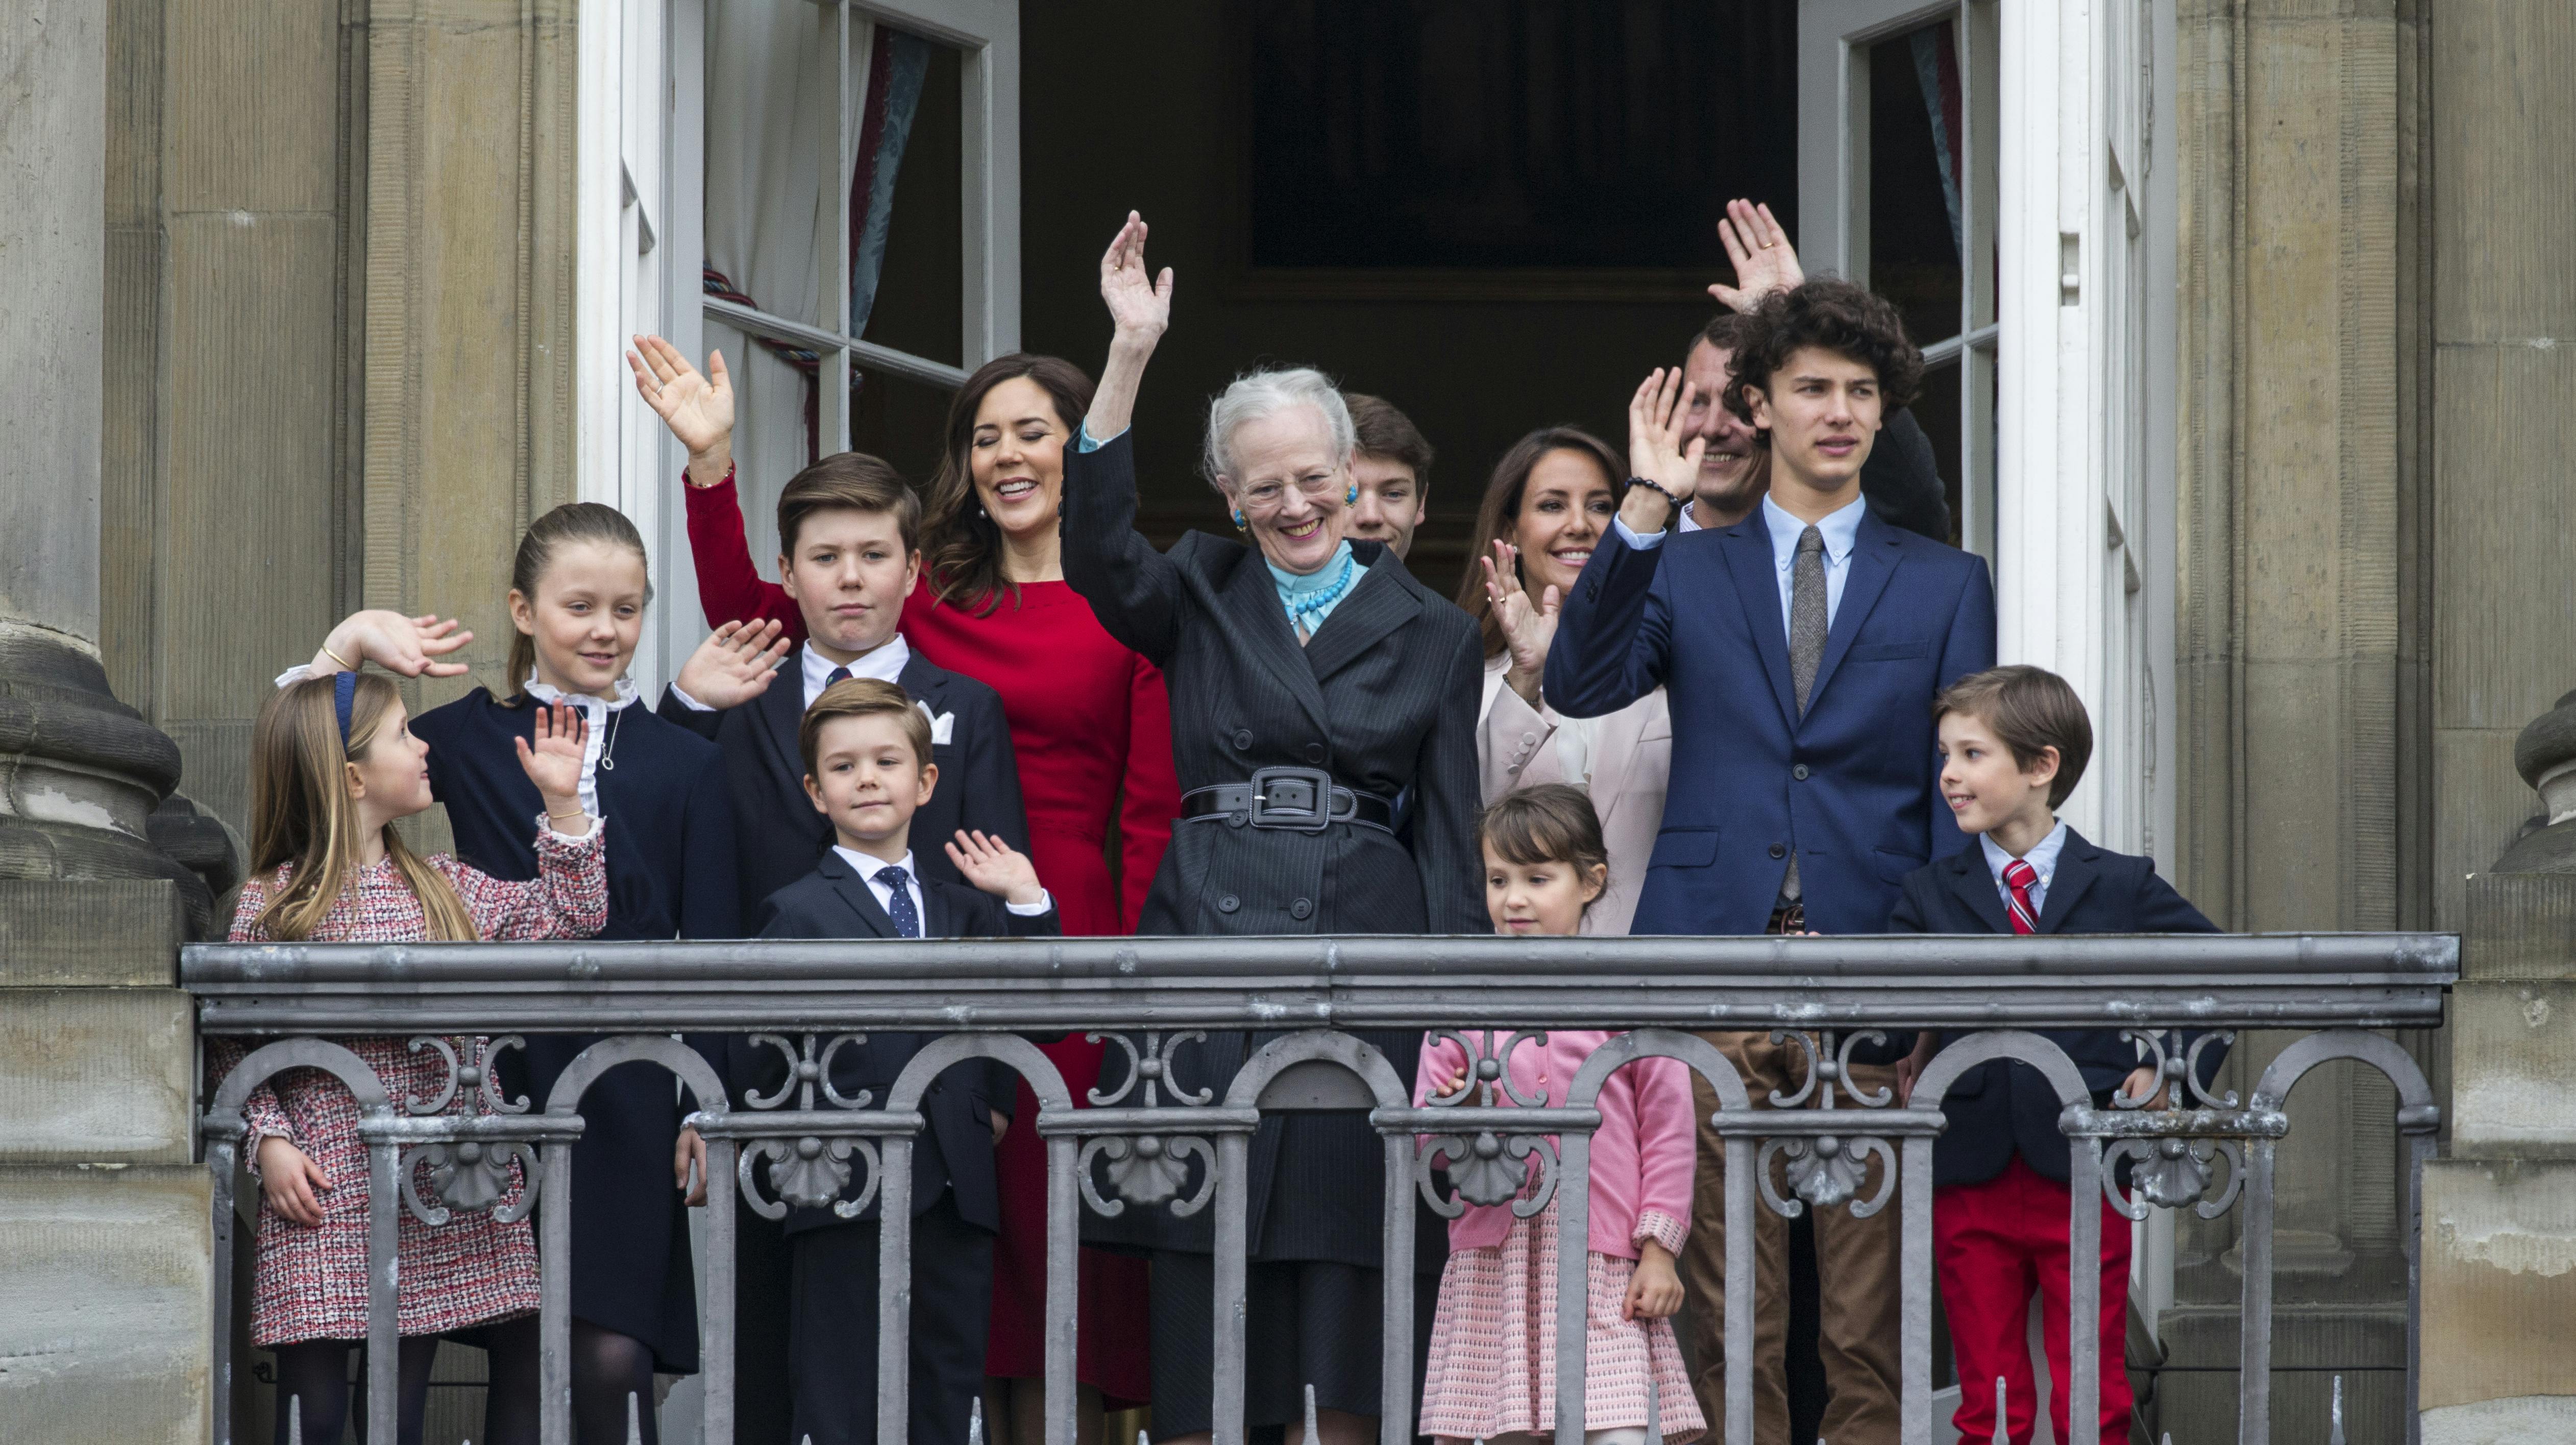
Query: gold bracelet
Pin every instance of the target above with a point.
(345, 664)
(575, 813)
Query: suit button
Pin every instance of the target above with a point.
(1314, 752)
(1301, 908)
(1243, 740)
(1228, 904)
(1779, 852)
(1799, 772)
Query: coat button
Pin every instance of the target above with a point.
(1779, 852)
(1529, 740)
(1228, 904)
(1243, 740)
(1799, 772)
(1314, 752)
(1301, 908)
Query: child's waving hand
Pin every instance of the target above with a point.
(991, 865)
(553, 763)
(404, 645)
(735, 663)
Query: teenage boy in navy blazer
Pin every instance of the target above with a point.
(849, 531)
(866, 749)
(2014, 742)
(1800, 648)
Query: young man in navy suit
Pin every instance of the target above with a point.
(866, 749)
(849, 530)
(1800, 649)
(2014, 741)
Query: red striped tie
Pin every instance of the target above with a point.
(2019, 876)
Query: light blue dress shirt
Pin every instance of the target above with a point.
(2042, 859)
(1082, 439)
(1841, 529)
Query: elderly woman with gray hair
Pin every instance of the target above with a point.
(1314, 683)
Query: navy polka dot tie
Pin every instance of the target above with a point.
(899, 907)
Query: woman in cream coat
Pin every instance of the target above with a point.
(1549, 501)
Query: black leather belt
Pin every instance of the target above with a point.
(1301, 800)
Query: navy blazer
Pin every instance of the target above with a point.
(1851, 785)
(2000, 1107)
(956, 1151)
(779, 833)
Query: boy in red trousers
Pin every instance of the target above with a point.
(2014, 741)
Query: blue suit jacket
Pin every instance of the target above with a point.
(1850, 785)
(2000, 1108)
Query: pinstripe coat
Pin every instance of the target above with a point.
(1384, 696)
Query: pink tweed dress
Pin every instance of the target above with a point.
(311, 1282)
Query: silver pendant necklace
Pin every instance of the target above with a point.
(608, 749)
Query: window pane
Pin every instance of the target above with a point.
(901, 420)
(1913, 212)
(917, 301)
(770, 146)
(1938, 412)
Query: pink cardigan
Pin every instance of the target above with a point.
(1641, 1154)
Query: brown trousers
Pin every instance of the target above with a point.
(1856, 1266)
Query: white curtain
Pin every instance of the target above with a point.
(769, 151)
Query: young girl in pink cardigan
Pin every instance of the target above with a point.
(1492, 1369)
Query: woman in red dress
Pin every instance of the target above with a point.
(1092, 731)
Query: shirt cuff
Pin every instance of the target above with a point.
(1084, 441)
(546, 830)
(1044, 906)
(686, 701)
(294, 675)
(1660, 1227)
(1646, 543)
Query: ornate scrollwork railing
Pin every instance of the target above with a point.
(1156, 1119)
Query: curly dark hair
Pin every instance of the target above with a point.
(1837, 316)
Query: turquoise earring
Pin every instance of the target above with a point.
(1238, 519)
(1351, 498)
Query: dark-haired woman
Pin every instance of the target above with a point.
(1091, 729)
(578, 591)
(1551, 497)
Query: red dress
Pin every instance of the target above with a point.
(1092, 731)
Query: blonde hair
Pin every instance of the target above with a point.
(301, 814)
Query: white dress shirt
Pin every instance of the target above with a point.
(2042, 859)
(868, 868)
(1841, 529)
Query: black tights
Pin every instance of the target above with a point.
(313, 1381)
(607, 1367)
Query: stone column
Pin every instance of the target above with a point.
(103, 1219)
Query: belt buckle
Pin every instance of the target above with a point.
(1296, 799)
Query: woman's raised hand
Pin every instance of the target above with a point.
(1528, 626)
(735, 663)
(697, 408)
(399, 644)
(1764, 260)
(553, 763)
(1140, 304)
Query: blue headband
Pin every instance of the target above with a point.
(344, 691)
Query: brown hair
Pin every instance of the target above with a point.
(1502, 507)
(961, 546)
(1386, 432)
(572, 522)
(1544, 823)
(301, 815)
(2030, 708)
(1725, 331)
(1832, 315)
(854, 480)
(862, 697)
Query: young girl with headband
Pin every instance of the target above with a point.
(333, 763)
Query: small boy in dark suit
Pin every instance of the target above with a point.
(867, 751)
(2013, 743)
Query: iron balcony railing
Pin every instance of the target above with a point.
(1153, 997)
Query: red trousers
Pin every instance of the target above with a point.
(1996, 1243)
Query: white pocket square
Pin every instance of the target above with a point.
(941, 724)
